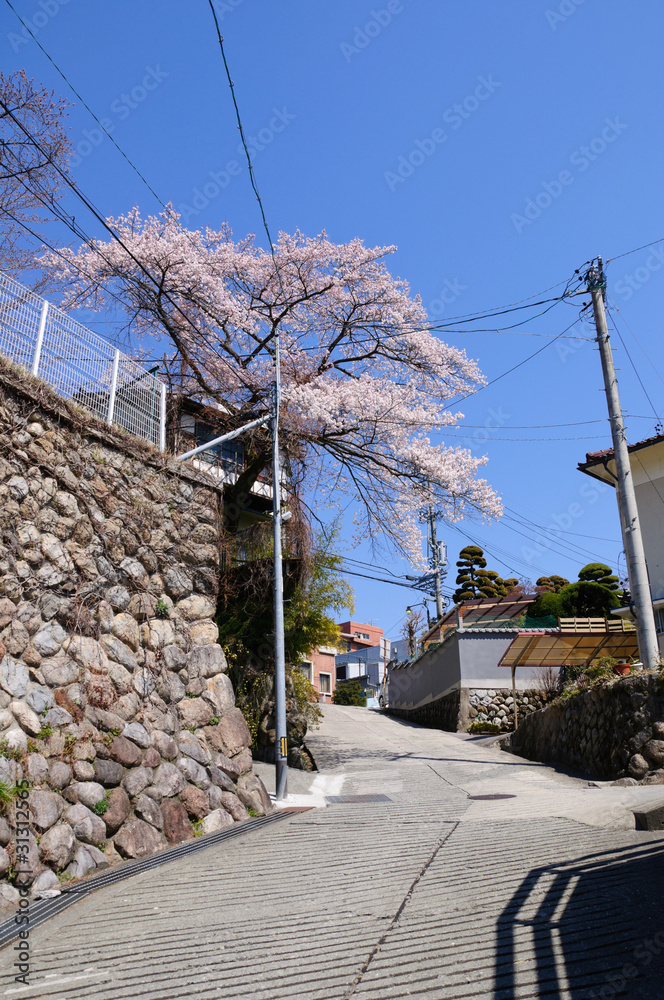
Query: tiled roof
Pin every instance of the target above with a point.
(597, 456)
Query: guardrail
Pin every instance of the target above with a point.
(79, 364)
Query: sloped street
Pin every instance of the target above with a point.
(435, 890)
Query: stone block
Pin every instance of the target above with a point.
(169, 780)
(36, 768)
(137, 733)
(195, 802)
(219, 692)
(59, 671)
(217, 820)
(231, 735)
(124, 752)
(151, 758)
(14, 676)
(125, 628)
(653, 751)
(177, 827)
(87, 827)
(59, 774)
(146, 808)
(164, 744)
(206, 661)
(87, 792)
(137, 839)
(220, 779)
(28, 720)
(108, 772)
(84, 770)
(191, 746)
(57, 846)
(46, 808)
(195, 608)
(136, 780)
(232, 805)
(193, 772)
(650, 817)
(46, 885)
(194, 712)
(39, 698)
(252, 793)
(118, 810)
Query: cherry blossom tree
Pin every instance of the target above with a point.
(29, 179)
(364, 382)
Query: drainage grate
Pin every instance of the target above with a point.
(42, 910)
(337, 799)
(496, 796)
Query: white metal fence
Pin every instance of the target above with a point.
(80, 365)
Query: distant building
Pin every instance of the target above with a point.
(363, 655)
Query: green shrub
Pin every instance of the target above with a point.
(349, 693)
(483, 727)
(7, 795)
(100, 807)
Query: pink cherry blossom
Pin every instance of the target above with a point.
(365, 383)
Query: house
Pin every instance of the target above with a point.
(647, 466)
(319, 669)
(363, 656)
(484, 656)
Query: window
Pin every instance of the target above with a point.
(659, 620)
(305, 668)
(341, 673)
(361, 635)
(229, 454)
(325, 683)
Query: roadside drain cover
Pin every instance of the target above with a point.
(497, 796)
(335, 799)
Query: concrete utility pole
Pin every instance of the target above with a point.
(637, 570)
(437, 564)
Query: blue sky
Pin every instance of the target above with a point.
(552, 153)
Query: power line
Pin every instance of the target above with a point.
(635, 250)
(96, 213)
(631, 361)
(636, 339)
(520, 364)
(87, 106)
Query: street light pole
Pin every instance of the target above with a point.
(281, 734)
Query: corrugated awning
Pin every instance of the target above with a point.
(571, 649)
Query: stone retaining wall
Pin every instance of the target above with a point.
(115, 707)
(458, 709)
(497, 705)
(608, 731)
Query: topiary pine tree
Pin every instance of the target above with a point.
(471, 561)
(475, 580)
(552, 584)
(599, 573)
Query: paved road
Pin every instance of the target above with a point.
(432, 894)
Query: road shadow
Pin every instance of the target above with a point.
(586, 929)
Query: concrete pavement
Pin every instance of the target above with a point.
(432, 894)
